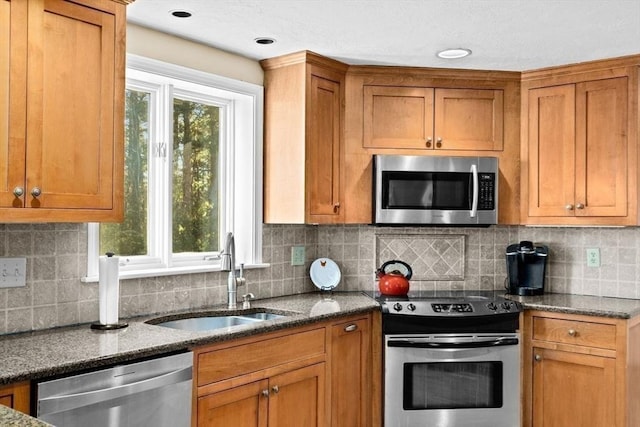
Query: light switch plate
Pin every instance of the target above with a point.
(297, 255)
(13, 272)
(593, 257)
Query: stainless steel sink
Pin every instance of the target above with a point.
(209, 323)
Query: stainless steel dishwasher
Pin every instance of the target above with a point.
(153, 393)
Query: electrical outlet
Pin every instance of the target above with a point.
(13, 272)
(297, 255)
(593, 257)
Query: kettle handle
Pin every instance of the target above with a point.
(383, 268)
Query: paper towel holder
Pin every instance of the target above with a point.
(117, 324)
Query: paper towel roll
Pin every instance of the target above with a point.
(109, 289)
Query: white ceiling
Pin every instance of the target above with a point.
(513, 35)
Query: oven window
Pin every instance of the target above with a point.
(426, 190)
(452, 385)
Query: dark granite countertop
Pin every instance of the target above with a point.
(582, 304)
(59, 351)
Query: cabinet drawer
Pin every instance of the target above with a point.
(217, 365)
(574, 332)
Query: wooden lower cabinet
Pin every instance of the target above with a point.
(350, 373)
(16, 396)
(291, 399)
(316, 375)
(580, 371)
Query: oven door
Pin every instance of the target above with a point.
(452, 380)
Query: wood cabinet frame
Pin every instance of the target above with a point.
(358, 172)
(577, 83)
(85, 183)
(609, 344)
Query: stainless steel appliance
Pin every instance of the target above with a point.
(432, 190)
(526, 268)
(152, 393)
(451, 360)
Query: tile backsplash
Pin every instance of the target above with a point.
(443, 258)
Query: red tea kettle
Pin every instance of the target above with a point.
(394, 278)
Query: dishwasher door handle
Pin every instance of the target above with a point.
(51, 405)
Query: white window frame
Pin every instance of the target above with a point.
(240, 174)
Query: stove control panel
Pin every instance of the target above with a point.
(451, 308)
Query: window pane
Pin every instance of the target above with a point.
(196, 136)
(130, 237)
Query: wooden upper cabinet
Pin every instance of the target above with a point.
(580, 162)
(65, 158)
(426, 118)
(303, 150)
(323, 148)
(467, 119)
(398, 117)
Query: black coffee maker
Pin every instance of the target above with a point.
(526, 268)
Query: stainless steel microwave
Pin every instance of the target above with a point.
(431, 190)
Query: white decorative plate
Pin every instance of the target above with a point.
(325, 274)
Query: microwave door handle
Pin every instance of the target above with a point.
(476, 189)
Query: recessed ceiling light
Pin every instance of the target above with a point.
(265, 40)
(181, 13)
(453, 53)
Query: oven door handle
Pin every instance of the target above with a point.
(453, 345)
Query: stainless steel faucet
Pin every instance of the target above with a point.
(228, 263)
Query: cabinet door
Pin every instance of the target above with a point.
(13, 84)
(551, 151)
(573, 390)
(297, 398)
(72, 63)
(16, 396)
(601, 148)
(467, 119)
(244, 406)
(323, 150)
(350, 361)
(398, 117)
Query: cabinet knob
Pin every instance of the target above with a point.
(438, 142)
(351, 328)
(265, 392)
(537, 357)
(428, 143)
(569, 207)
(579, 206)
(36, 191)
(336, 207)
(275, 389)
(573, 332)
(18, 191)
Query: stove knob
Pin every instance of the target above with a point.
(411, 307)
(397, 306)
(492, 306)
(506, 305)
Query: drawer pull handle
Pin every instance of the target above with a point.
(36, 192)
(428, 143)
(351, 328)
(18, 191)
(537, 357)
(275, 389)
(265, 392)
(573, 332)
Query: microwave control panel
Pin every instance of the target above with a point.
(486, 199)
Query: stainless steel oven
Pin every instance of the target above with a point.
(451, 361)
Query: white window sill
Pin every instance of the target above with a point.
(173, 271)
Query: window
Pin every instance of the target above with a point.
(193, 172)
